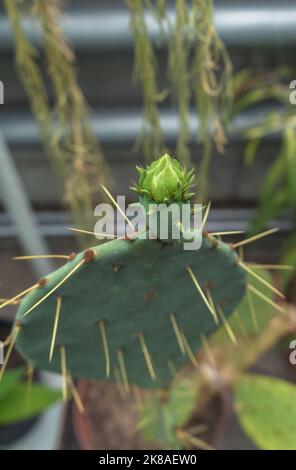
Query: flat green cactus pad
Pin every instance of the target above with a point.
(134, 289)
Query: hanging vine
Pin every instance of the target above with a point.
(87, 168)
(69, 141)
(200, 76)
(179, 75)
(212, 83)
(30, 74)
(199, 70)
(152, 138)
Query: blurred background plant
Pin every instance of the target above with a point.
(182, 417)
(199, 70)
(189, 95)
(21, 400)
(70, 144)
(278, 191)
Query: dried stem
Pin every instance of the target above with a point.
(66, 132)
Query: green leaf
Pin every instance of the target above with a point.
(266, 410)
(275, 193)
(290, 160)
(241, 81)
(156, 423)
(183, 400)
(289, 258)
(251, 150)
(242, 321)
(273, 177)
(10, 378)
(19, 405)
(246, 324)
(269, 209)
(263, 311)
(159, 419)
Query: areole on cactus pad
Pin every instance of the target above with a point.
(136, 310)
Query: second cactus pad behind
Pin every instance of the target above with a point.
(134, 305)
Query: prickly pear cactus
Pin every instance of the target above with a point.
(134, 309)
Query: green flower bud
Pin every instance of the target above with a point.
(165, 181)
